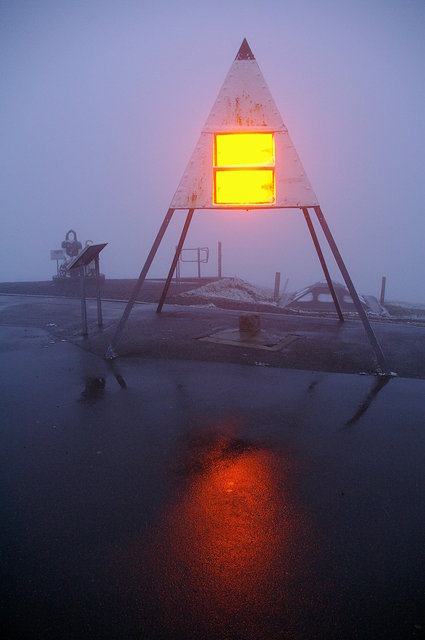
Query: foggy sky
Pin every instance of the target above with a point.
(102, 104)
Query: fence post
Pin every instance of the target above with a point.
(219, 260)
(383, 284)
(276, 286)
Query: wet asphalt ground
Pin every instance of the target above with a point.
(196, 490)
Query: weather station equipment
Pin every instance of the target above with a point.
(71, 247)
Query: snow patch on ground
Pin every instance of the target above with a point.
(233, 289)
(239, 290)
(408, 305)
(406, 310)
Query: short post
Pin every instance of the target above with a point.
(199, 263)
(383, 284)
(249, 324)
(219, 260)
(99, 301)
(83, 301)
(276, 286)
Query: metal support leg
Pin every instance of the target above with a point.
(99, 301)
(83, 301)
(111, 349)
(323, 263)
(178, 270)
(175, 259)
(363, 317)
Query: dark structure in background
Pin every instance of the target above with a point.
(317, 297)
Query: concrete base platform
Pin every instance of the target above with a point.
(263, 340)
(324, 344)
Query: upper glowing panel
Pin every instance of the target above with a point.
(244, 149)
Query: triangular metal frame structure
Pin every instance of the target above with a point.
(245, 105)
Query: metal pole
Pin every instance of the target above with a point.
(276, 286)
(83, 301)
(323, 263)
(350, 286)
(383, 285)
(176, 257)
(178, 270)
(199, 263)
(219, 259)
(99, 301)
(111, 349)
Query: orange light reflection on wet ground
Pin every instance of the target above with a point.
(232, 510)
(224, 548)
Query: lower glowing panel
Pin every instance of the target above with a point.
(244, 186)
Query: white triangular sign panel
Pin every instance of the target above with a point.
(244, 158)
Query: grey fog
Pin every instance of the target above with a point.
(102, 103)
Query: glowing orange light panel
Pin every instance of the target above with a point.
(242, 149)
(244, 168)
(244, 186)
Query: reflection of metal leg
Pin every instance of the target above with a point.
(323, 263)
(353, 293)
(176, 257)
(111, 349)
(379, 384)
